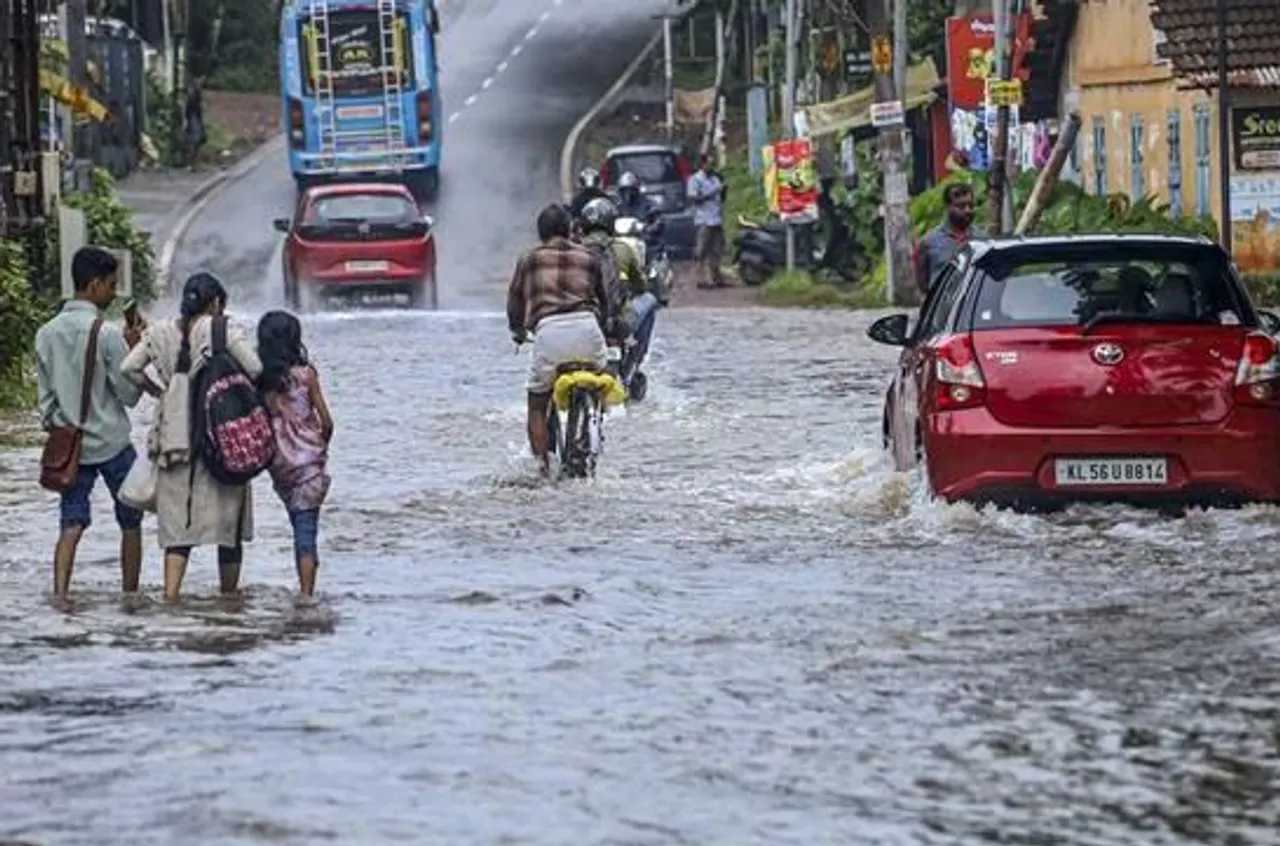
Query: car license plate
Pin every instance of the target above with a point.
(367, 266)
(1111, 471)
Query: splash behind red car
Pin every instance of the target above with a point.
(357, 240)
(1094, 368)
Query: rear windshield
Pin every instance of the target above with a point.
(1157, 284)
(362, 208)
(649, 168)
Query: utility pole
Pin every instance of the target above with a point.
(998, 170)
(900, 48)
(1224, 129)
(903, 288)
(789, 109)
(668, 77)
(77, 71)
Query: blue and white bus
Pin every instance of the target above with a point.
(359, 83)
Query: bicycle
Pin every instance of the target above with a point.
(580, 395)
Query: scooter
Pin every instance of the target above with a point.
(760, 249)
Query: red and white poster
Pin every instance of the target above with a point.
(797, 179)
(971, 47)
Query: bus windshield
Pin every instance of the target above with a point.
(356, 53)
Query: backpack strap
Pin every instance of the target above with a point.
(90, 365)
(219, 334)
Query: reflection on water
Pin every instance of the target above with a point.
(747, 630)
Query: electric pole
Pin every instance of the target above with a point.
(998, 172)
(77, 71)
(789, 109)
(903, 288)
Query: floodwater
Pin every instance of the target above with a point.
(747, 631)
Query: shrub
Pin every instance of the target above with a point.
(21, 313)
(109, 224)
(798, 288)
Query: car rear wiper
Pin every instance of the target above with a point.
(1130, 317)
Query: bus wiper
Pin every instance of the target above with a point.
(1129, 317)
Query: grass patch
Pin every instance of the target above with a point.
(799, 289)
(745, 194)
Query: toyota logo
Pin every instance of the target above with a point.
(1108, 354)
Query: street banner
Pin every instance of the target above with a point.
(971, 48)
(797, 180)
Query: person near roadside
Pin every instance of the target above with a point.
(303, 427)
(62, 359)
(941, 245)
(192, 507)
(558, 292)
(588, 189)
(706, 191)
(193, 118)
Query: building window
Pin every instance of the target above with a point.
(1099, 156)
(1137, 174)
(1201, 113)
(1175, 162)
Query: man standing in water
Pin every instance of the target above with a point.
(67, 376)
(942, 244)
(706, 192)
(559, 293)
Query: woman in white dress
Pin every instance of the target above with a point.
(192, 508)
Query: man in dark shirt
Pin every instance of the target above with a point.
(558, 292)
(588, 189)
(941, 245)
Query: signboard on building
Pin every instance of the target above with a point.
(1256, 137)
(1255, 223)
(971, 46)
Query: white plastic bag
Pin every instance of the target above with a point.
(139, 487)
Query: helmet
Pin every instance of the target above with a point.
(599, 215)
(628, 180)
(588, 177)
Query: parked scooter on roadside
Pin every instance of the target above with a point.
(760, 249)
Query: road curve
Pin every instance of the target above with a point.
(515, 77)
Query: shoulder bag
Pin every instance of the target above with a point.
(60, 462)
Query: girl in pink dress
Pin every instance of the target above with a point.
(291, 388)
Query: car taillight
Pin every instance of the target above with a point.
(424, 117)
(1258, 374)
(604, 174)
(297, 132)
(960, 382)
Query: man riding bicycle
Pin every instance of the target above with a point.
(558, 292)
(636, 313)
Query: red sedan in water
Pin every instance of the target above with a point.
(358, 241)
(1088, 368)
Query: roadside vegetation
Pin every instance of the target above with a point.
(30, 288)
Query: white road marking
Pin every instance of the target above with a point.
(485, 85)
(454, 117)
(471, 101)
(516, 50)
(502, 65)
(533, 30)
(543, 17)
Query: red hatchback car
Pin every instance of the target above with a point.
(1088, 368)
(358, 241)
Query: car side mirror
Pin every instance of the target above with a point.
(891, 330)
(281, 224)
(1270, 322)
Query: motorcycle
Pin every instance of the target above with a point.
(656, 266)
(760, 250)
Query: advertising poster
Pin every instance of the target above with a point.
(797, 180)
(1255, 222)
(1256, 138)
(769, 176)
(971, 47)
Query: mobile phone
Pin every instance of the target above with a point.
(130, 310)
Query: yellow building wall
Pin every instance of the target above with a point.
(1113, 66)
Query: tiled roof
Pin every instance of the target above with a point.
(1190, 28)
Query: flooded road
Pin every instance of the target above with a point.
(749, 630)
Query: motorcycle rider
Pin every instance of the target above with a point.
(637, 306)
(588, 189)
(633, 203)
